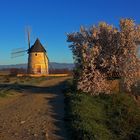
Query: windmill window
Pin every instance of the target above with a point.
(36, 54)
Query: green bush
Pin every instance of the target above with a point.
(103, 117)
(123, 117)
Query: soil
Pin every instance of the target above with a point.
(36, 113)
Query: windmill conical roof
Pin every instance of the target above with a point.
(37, 47)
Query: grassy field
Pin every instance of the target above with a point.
(103, 117)
(10, 85)
(20, 80)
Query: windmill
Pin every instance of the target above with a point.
(21, 51)
(37, 58)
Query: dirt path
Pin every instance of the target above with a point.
(37, 114)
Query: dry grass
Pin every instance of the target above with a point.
(38, 75)
(9, 85)
(4, 73)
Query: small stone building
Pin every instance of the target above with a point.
(37, 59)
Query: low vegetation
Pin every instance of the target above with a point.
(102, 117)
(10, 85)
(102, 103)
(20, 80)
(6, 91)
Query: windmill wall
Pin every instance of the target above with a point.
(37, 63)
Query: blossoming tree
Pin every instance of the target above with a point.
(102, 50)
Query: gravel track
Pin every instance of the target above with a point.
(35, 114)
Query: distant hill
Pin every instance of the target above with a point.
(14, 66)
(53, 65)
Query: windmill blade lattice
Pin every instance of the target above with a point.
(18, 52)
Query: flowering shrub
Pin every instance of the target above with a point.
(128, 60)
(100, 51)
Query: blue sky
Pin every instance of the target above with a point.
(50, 20)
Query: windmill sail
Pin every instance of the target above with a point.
(18, 52)
(28, 34)
(21, 51)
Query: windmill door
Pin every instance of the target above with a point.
(38, 69)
